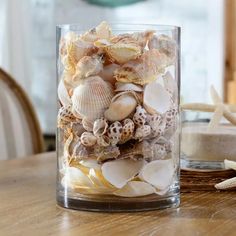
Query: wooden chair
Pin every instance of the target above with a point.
(20, 133)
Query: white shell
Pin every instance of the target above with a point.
(92, 98)
(63, 94)
(135, 189)
(119, 172)
(156, 99)
(158, 173)
(121, 106)
(88, 139)
(127, 87)
(90, 163)
(100, 127)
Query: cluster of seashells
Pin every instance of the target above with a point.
(118, 112)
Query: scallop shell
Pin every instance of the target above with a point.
(88, 66)
(114, 132)
(107, 153)
(120, 172)
(158, 173)
(156, 99)
(127, 130)
(142, 132)
(122, 105)
(88, 139)
(63, 94)
(143, 70)
(135, 189)
(87, 124)
(140, 116)
(100, 127)
(165, 45)
(108, 73)
(128, 87)
(92, 98)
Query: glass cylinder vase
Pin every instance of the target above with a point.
(118, 117)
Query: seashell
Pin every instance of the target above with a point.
(107, 153)
(143, 37)
(92, 98)
(103, 141)
(80, 152)
(127, 130)
(102, 31)
(88, 139)
(100, 127)
(142, 132)
(121, 106)
(63, 94)
(165, 45)
(65, 114)
(128, 87)
(120, 172)
(87, 66)
(91, 163)
(140, 116)
(114, 132)
(157, 124)
(135, 189)
(108, 73)
(87, 124)
(69, 64)
(170, 118)
(156, 99)
(143, 70)
(158, 173)
(171, 86)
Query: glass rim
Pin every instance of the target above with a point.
(121, 27)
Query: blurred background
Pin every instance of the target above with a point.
(28, 43)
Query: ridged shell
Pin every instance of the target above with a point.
(128, 87)
(143, 70)
(127, 130)
(88, 139)
(92, 98)
(87, 66)
(63, 94)
(114, 132)
(100, 127)
(156, 99)
(121, 106)
(140, 116)
(142, 132)
(119, 172)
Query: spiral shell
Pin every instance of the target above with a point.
(92, 98)
(88, 139)
(100, 127)
(114, 132)
(140, 116)
(142, 132)
(127, 130)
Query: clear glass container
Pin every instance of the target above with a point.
(118, 117)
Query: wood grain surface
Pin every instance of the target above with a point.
(28, 207)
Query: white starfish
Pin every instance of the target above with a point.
(229, 183)
(219, 108)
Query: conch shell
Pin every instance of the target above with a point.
(91, 98)
(143, 70)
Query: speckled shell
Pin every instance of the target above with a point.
(92, 98)
(103, 141)
(143, 70)
(140, 116)
(114, 132)
(88, 139)
(100, 127)
(127, 130)
(157, 124)
(142, 132)
(170, 117)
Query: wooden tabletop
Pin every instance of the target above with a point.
(28, 207)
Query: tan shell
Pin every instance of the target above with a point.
(92, 97)
(63, 93)
(100, 127)
(121, 106)
(88, 139)
(87, 124)
(142, 132)
(87, 66)
(140, 116)
(127, 131)
(142, 70)
(108, 73)
(114, 132)
(128, 87)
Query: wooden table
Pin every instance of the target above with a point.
(28, 207)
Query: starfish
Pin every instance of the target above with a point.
(229, 183)
(219, 109)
